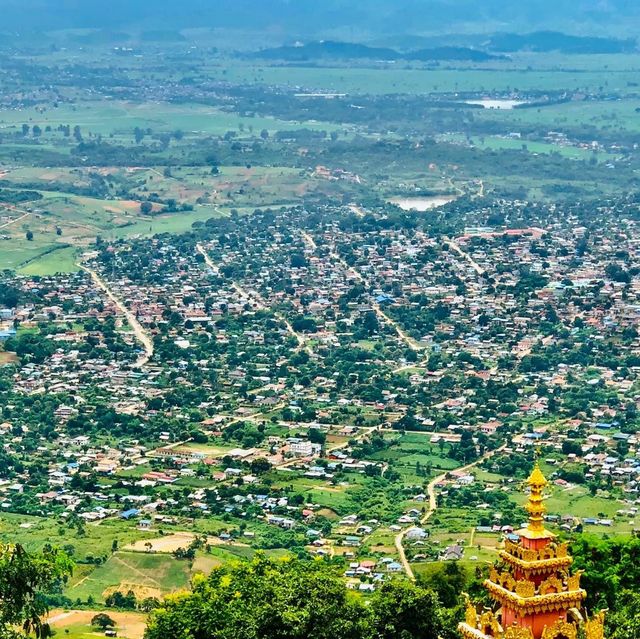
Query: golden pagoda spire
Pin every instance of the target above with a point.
(535, 596)
(535, 504)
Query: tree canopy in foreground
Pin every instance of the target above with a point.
(23, 579)
(294, 599)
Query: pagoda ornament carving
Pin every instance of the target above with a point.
(594, 627)
(535, 594)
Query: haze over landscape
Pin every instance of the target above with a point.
(370, 19)
(319, 320)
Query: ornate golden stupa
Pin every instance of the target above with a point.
(536, 595)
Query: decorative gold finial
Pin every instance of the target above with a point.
(471, 615)
(594, 627)
(560, 629)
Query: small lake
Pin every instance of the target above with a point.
(489, 103)
(421, 204)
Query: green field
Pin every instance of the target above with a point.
(95, 541)
(17, 252)
(145, 574)
(62, 220)
(565, 74)
(119, 118)
(81, 222)
(496, 143)
(334, 497)
(609, 115)
(412, 450)
(578, 502)
(62, 260)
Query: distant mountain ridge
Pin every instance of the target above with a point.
(310, 18)
(350, 50)
(545, 41)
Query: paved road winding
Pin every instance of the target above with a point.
(433, 506)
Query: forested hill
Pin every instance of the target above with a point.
(370, 18)
(328, 49)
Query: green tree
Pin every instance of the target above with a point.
(611, 566)
(102, 621)
(263, 599)
(146, 207)
(149, 604)
(402, 610)
(624, 622)
(259, 466)
(448, 581)
(317, 436)
(268, 599)
(24, 578)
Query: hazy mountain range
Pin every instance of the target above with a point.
(350, 19)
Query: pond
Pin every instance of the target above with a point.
(422, 203)
(497, 103)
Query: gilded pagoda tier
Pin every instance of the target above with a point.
(555, 593)
(487, 625)
(537, 561)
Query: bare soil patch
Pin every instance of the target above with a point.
(7, 358)
(328, 513)
(170, 543)
(130, 624)
(141, 592)
(205, 565)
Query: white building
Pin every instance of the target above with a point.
(305, 448)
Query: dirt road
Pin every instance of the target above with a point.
(14, 221)
(476, 267)
(256, 300)
(433, 506)
(141, 335)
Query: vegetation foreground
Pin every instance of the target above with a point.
(265, 598)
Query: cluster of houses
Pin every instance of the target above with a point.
(453, 330)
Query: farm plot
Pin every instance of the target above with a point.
(146, 575)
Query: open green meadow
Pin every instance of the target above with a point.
(95, 540)
(336, 497)
(119, 119)
(496, 143)
(63, 223)
(413, 452)
(59, 260)
(16, 253)
(576, 501)
(609, 115)
(401, 77)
